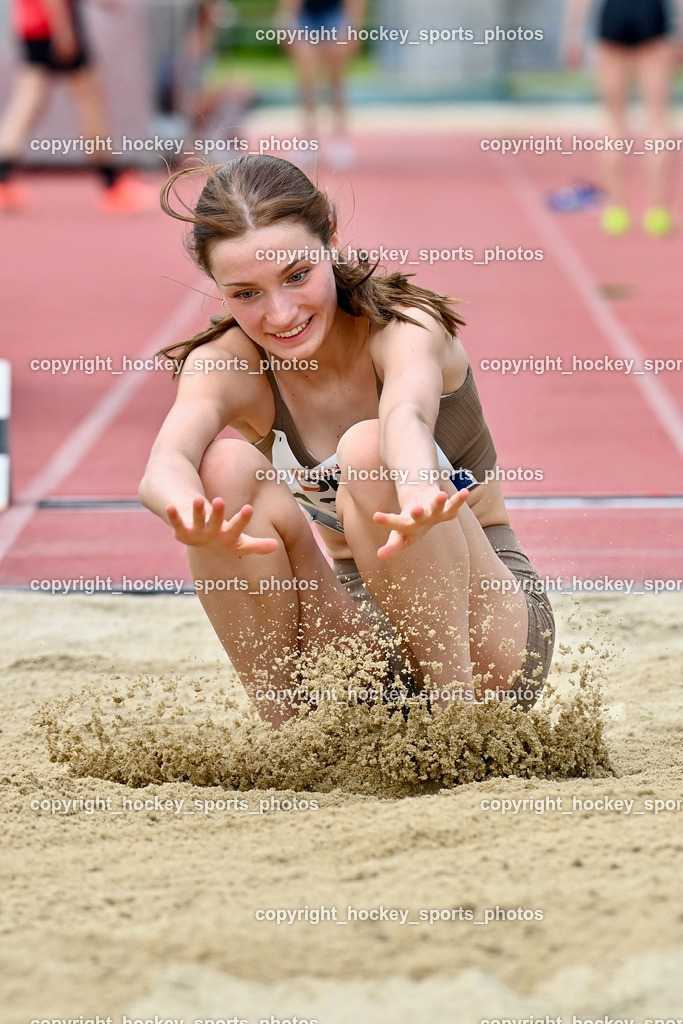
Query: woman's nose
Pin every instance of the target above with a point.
(281, 312)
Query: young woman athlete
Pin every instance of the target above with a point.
(356, 388)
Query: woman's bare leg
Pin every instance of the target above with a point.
(25, 105)
(614, 67)
(256, 622)
(87, 93)
(306, 61)
(655, 65)
(336, 60)
(432, 592)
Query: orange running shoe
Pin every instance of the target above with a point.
(128, 194)
(13, 198)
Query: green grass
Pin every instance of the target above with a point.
(272, 71)
(272, 75)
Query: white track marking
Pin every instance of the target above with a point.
(5, 408)
(82, 438)
(663, 407)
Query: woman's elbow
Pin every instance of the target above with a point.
(147, 490)
(143, 491)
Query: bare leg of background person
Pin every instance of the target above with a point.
(124, 193)
(336, 60)
(613, 66)
(87, 93)
(25, 104)
(306, 60)
(655, 65)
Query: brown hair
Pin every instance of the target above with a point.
(257, 191)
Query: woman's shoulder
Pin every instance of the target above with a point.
(226, 374)
(425, 329)
(426, 338)
(233, 344)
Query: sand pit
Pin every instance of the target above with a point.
(452, 869)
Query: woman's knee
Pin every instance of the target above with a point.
(229, 463)
(358, 447)
(361, 466)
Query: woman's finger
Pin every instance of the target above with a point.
(177, 522)
(198, 513)
(443, 509)
(255, 545)
(233, 527)
(216, 518)
(453, 505)
(172, 513)
(393, 520)
(394, 545)
(242, 543)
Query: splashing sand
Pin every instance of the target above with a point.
(158, 729)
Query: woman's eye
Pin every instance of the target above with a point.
(244, 295)
(299, 275)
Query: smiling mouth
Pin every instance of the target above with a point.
(295, 330)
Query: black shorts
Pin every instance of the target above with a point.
(633, 22)
(38, 53)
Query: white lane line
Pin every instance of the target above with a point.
(663, 407)
(612, 553)
(635, 502)
(539, 501)
(90, 429)
(5, 411)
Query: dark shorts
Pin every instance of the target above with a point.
(541, 632)
(38, 53)
(633, 22)
(329, 18)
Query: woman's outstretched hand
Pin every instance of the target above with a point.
(413, 521)
(215, 530)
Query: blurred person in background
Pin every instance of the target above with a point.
(187, 88)
(635, 38)
(325, 58)
(53, 43)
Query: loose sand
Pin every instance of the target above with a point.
(116, 910)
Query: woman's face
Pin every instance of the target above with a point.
(278, 284)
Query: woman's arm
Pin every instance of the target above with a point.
(412, 361)
(171, 486)
(171, 475)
